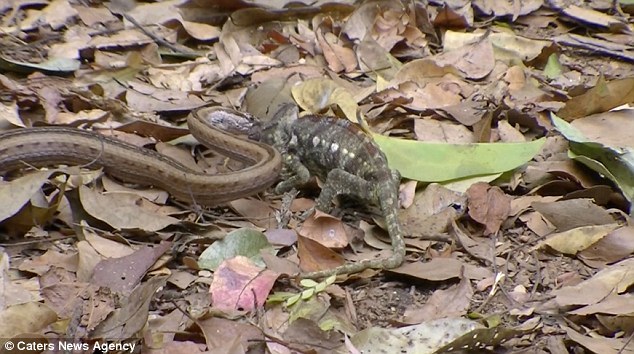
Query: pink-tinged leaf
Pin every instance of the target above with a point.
(240, 285)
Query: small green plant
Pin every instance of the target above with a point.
(310, 286)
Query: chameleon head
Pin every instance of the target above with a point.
(278, 132)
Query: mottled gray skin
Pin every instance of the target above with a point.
(348, 161)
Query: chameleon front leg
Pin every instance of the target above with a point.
(298, 175)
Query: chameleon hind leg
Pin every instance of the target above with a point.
(341, 182)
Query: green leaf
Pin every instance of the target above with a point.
(308, 283)
(616, 164)
(614, 167)
(553, 68)
(568, 131)
(55, 65)
(241, 242)
(306, 294)
(321, 286)
(437, 162)
(328, 325)
(292, 300)
(279, 296)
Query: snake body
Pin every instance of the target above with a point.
(49, 146)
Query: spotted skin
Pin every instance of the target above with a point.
(349, 162)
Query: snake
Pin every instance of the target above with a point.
(26, 148)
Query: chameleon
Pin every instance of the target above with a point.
(348, 161)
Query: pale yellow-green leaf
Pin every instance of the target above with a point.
(437, 162)
(307, 283)
(328, 324)
(553, 68)
(293, 299)
(462, 184)
(321, 286)
(279, 296)
(306, 294)
(573, 241)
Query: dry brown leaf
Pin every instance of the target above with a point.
(221, 334)
(570, 214)
(406, 193)
(163, 100)
(94, 15)
(615, 128)
(42, 264)
(128, 320)
(375, 60)
(9, 114)
(509, 134)
(180, 154)
(13, 293)
(308, 332)
(523, 203)
(88, 259)
(315, 257)
(23, 190)
(537, 223)
(432, 212)
(121, 211)
(513, 9)
(478, 247)
(258, 212)
(615, 246)
(439, 269)
(337, 54)
(488, 206)
(450, 303)
(432, 130)
(30, 317)
(316, 95)
(279, 265)
(58, 13)
(616, 278)
(125, 38)
(614, 304)
(325, 229)
(604, 96)
(432, 96)
(593, 17)
(473, 60)
(508, 46)
(281, 237)
(457, 14)
(123, 274)
(153, 195)
(466, 113)
(181, 279)
(599, 344)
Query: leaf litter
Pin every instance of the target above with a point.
(511, 124)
